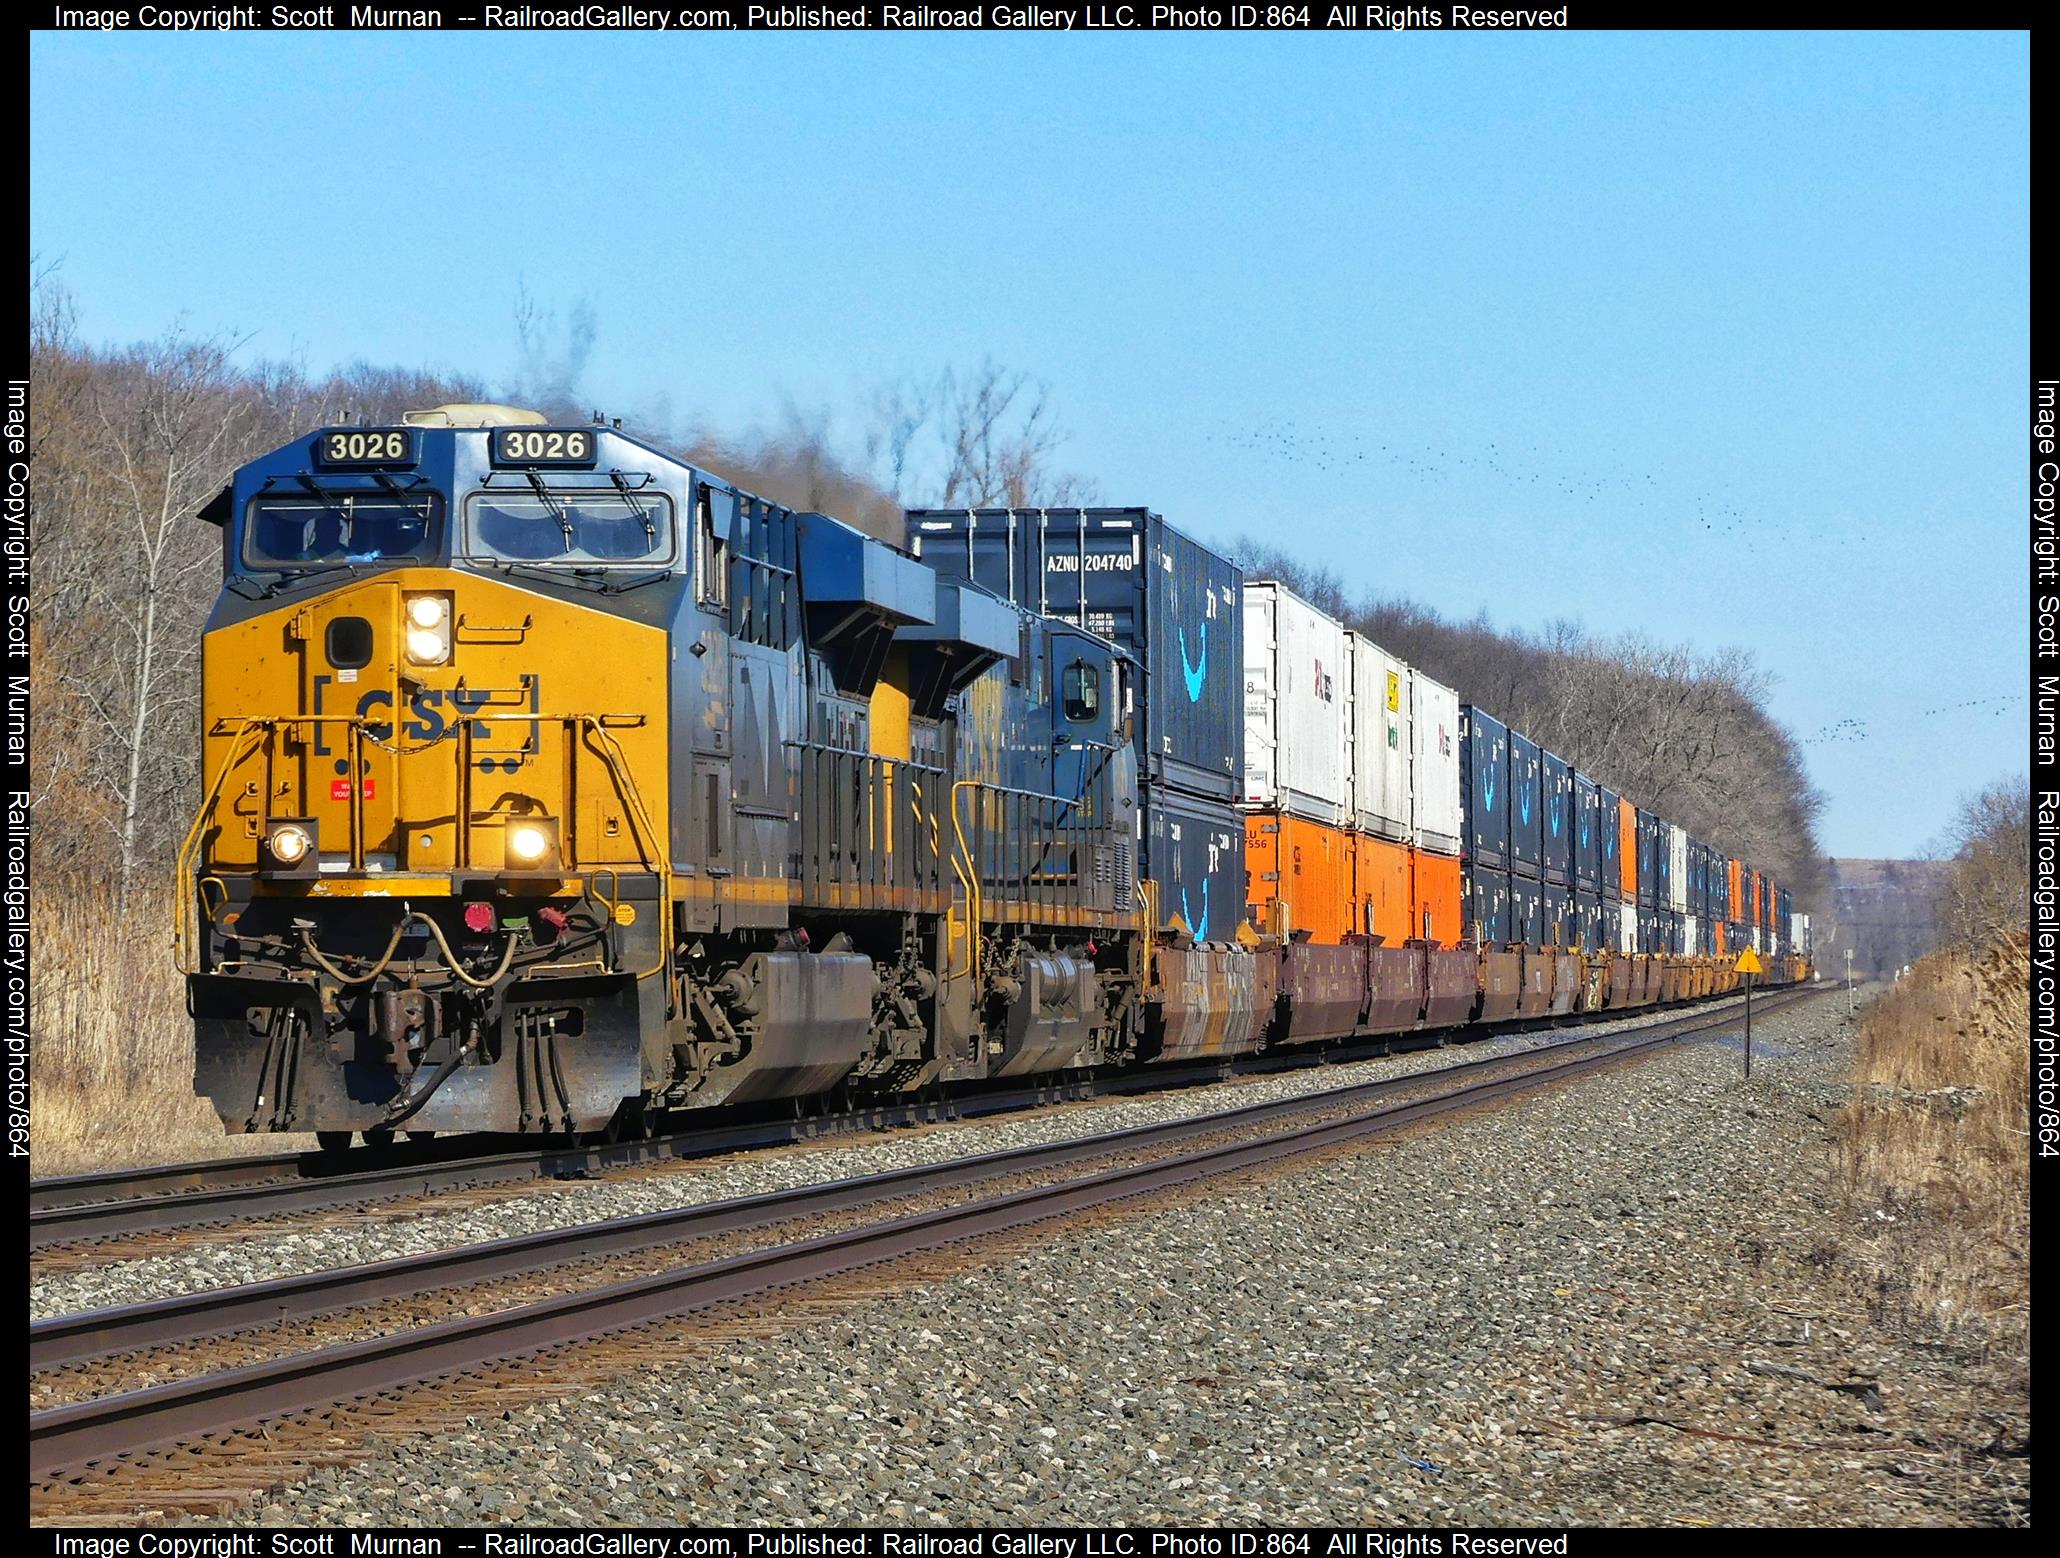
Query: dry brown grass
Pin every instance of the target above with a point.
(113, 1047)
(1934, 1148)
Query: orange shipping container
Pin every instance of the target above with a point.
(1306, 867)
(1382, 879)
(1627, 851)
(1732, 874)
(1440, 911)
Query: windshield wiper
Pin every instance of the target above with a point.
(650, 530)
(302, 575)
(614, 588)
(582, 576)
(557, 509)
(404, 495)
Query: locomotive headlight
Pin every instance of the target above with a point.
(531, 842)
(291, 846)
(429, 629)
(427, 646)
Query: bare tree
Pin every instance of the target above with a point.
(128, 444)
(1987, 888)
(552, 358)
(976, 440)
(166, 420)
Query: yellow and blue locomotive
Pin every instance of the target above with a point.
(550, 782)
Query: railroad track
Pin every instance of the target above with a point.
(174, 1198)
(79, 1443)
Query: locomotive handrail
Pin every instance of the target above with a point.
(619, 766)
(604, 745)
(185, 887)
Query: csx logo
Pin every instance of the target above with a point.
(433, 712)
(1322, 683)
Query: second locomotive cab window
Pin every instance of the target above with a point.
(577, 525)
(1081, 688)
(337, 527)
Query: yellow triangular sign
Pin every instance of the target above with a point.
(1749, 962)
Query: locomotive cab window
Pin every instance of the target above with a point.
(1080, 689)
(587, 526)
(339, 526)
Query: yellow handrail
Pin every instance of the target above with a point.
(971, 877)
(649, 844)
(618, 765)
(184, 887)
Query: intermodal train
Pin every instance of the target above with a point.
(551, 784)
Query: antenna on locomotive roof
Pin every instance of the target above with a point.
(599, 420)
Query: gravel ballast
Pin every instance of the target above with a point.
(280, 1249)
(1605, 1303)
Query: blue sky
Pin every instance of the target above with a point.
(1721, 338)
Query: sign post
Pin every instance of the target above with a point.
(1748, 965)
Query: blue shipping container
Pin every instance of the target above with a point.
(1126, 574)
(1559, 820)
(1195, 850)
(1588, 918)
(1484, 788)
(1487, 903)
(1651, 850)
(1608, 823)
(1526, 805)
(1587, 833)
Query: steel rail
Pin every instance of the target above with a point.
(66, 1440)
(81, 1337)
(175, 1197)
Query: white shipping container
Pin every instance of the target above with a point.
(1756, 939)
(1380, 741)
(1297, 706)
(1677, 869)
(1799, 933)
(1627, 928)
(1434, 763)
(1691, 937)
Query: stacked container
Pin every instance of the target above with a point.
(1587, 905)
(1436, 820)
(1174, 606)
(1608, 827)
(1378, 765)
(1297, 709)
(1647, 834)
(1484, 774)
(1352, 795)
(1559, 821)
(1298, 784)
(1526, 807)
